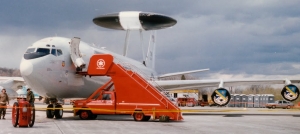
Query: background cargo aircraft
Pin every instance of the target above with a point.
(22, 92)
(11, 84)
(49, 65)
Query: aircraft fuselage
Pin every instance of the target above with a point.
(48, 69)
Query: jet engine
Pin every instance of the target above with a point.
(221, 96)
(290, 92)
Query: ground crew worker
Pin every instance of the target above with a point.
(4, 100)
(30, 96)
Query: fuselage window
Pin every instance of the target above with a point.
(59, 52)
(43, 50)
(175, 95)
(53, 52)
(30, 50)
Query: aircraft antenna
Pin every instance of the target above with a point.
(126, 43)
(150, 57)
(154, 48)
(141, 36)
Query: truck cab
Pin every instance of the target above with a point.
(106, 100)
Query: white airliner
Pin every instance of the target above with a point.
(49, 65)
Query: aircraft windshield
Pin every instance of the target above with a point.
(43, 50)
(30, 50)
(59, 52)
(40, 52)
(53, 52)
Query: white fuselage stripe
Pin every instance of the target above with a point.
(130, 20)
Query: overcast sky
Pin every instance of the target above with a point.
(233, 38)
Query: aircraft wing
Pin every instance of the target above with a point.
(182, 73)
(13, 83)
(187, 84)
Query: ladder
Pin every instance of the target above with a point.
(132, 90)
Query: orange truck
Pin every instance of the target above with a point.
(204, 101)
(191, 102)
(181, 102)
(126, 93)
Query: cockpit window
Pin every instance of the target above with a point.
(30, 50)
(59, 52)
(43, 50)
(53, 52)
(32, 54)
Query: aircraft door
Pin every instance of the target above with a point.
(76, 54)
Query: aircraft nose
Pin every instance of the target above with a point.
(26, 68)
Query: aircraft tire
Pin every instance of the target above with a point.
(50, 111)
(58, 113)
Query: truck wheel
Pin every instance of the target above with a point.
(94, 116)
(273, 107)
(32, 114)
(288, 107)
(139, 116)
(146, 118)
(58, 112)
(50, 111)
(15, 114)
(85, 115)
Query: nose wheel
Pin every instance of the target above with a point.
(50, 111)
(54, 110)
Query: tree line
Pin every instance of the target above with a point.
(9, 72)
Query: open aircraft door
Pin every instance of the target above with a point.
(76, 55)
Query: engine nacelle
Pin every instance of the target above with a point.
(290, 92)
(221, 96)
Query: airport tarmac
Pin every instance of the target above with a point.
(196, 120)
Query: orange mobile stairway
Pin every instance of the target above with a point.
(133, 93)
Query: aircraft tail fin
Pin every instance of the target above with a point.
(150, 57)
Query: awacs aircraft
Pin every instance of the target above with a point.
(50, 65)
(11, 84)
